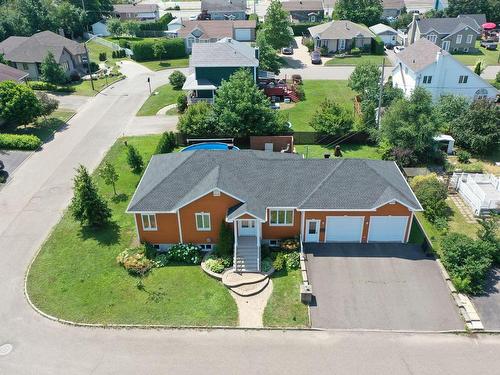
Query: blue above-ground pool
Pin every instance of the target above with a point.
(209, 146)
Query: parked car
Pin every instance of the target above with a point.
(275, 106)
(398, 49)
(287, 51)
(389, 46)
(489, 44)
(315, 57)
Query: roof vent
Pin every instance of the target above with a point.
(216, 193)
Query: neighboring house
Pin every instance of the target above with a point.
(136, 12)
(304, 10)
(212, 31)
(28, 53)
(425, 64)
(422, 6)
(341, 36)
(8, 73)
(451, 34)
(210, 63)
(480, 191)
(223, 9)
(266, 197)
(479, 18)
(392, 8)
(328, 7)
(100, 29)
(386, 33)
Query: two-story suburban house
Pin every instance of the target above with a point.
(212, 31)
(423, 64)
(304, 10)
(451, 34)
(340, 36)
(210, 63)
(28, 53)
(223, 9)
(265, 197)
(136, 12)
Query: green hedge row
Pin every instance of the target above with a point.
(377, 46)
(144, 51)
(47, 86)
(161, 24)
(300, 28)
(19, 142)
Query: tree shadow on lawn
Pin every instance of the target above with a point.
(107, 235)
(42, 128)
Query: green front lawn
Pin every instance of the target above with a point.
(284, 308)
(84, 88)
(349, 150)
(165, 95)
(156, 65)
(75, 275)
(356, 60)
(44, 128)
(489, 57)
(95, 48)
(316, 91)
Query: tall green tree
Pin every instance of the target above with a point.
(109, 175)
(331, 118)
(68, 17)
(367, 12)
(241, 109)
(53, 72)
(87, 206)
(365, 80)
(134, 159)
(197, 120)
(36, 13)
(95, 9)
(276, 26)
(448, 109)
(167, 143)
(115, 27)
(268, 58)
(411, 124)
(456, 7)
(18, 103)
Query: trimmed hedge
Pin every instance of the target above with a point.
(377, 46)
(47, 86)
(19, 142)
(143, 50)
(300, 28)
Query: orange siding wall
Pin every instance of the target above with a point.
(389, 209)
(168, 230)
(270, 232)
(217, 206)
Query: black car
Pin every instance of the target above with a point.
(315, 57)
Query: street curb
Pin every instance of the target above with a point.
(463, 302)
(123, 76)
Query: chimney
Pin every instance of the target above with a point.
(439, 55)
(413, 29)
(257, 53)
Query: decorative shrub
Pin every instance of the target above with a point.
(291, 244)
(74, 76)
(218, 264)
(134, 159)
(279, 262)
(177, 79)
(161, 260)
(47, 86)
(265, 251)
(299, 90)
(94, 67)
(167, 143)
(185, 253)
(266, 264)
(225, 246)
(134, 261)
(432, 194)
(292, 261)
(323, 51)
(143, 50)
(19, 142)
(463, 156)
(309, 43)
(377, 46)
(182, 103)
(102, 56)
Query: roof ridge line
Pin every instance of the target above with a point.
(390, 185)
(321, 182)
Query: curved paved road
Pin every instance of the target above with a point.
(34, 202)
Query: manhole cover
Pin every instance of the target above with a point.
(5, 349)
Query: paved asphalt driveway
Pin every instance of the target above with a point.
(488, 304)
(378, 286)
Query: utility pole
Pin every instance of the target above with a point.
(88, 64)
(149, 83)
(379, 109)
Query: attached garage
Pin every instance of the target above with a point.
(344, 228)
(387, 228)
(243, 35)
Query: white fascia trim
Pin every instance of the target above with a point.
(245, 213)
(394, 201)
(336, 209)
(208, 192)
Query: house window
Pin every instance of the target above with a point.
(281, 217)
(65, 66)
(274, 243)
(205, 247)
(149, 221)
(202, 221)
(25, 66)
(432, 38)
(469, 39)
(341, 44)
(459, 39)
(463, 79)
(427, 79)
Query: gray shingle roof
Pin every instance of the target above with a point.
(35, 48)
(302, 5)
(446, 25)
(340, 30)
(224, 5)
(420, 54)
(214, 29)
(226, 52)
(8, 73)
(262, 179)
(135, 8)
(380, 28)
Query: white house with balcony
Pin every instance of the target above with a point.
(480, 191)
(424, 64)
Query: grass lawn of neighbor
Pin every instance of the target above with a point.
(95, 48)
(156, 65)
(316, 91)
(470, 59)
(356, 60)
(284, 308)
(44, 128)
(165, 95)
(84, 88)
(349, 150)
(75, 276)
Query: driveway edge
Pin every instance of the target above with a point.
(463, 302)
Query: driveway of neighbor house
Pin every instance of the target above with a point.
(378, 286)
(11, 160)
(488, 304)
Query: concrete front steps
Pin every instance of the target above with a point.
(246, 258)
(245, 284)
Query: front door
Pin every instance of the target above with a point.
(446, 45)
(312, 230)
(247, 227)
(341, 44)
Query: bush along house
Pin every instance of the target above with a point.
(266, 197)
(210, 63)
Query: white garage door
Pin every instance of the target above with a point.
(243, 34)
(387, 228)
(344, 228)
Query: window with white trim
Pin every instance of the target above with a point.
(202, 221)
(281, 217)
(459, 38)
(149, 221)
(432, 38)
(463, 79)
(427, 79)
(469, 39)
